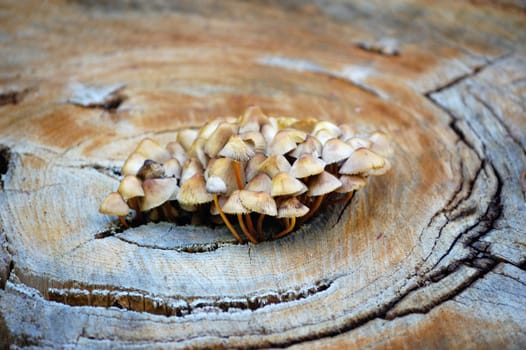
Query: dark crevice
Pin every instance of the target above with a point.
(176, 305)
(5, 159)
(13, 97)
(188, 248)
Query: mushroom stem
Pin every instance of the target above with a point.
(314, 208)
(249, 235)
(122, 219)
(250, 224)
(226, 221)
(288, 229)
(237, 170)
(260, 225)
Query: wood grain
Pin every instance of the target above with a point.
(431, 255)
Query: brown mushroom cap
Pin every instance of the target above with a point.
(307, 165)
(150, 170)
(236, 149)
(323, 183)
(130, 187)
(362, 161)
(233, 204)
(336, 150)
(284, 184)
(115, 205)
(351, 183)
(152, 150)
(292, 207)
(193, 191)
(259, 202)
(274, 164)
(158, 191)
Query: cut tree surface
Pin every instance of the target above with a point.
(431, 255)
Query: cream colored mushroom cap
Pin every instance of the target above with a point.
(307, 165)
(114, 204)
(260, 183)
(236, 149)
(233, 204)
(362, 161)
(152, 150)
(130, 187)
(133, 164)
(284, 184)
(158, 191)
(323, 183)
(259, 202)
(336, 150)
(351, 183)
(172, 168)
(292, 207)
(219, 138)
(274, 164)
(193, 191)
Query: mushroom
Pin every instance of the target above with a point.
(115, 205)
(290, 208)
(350, 183)
(193, 191)
(260, 182)
(158, 191)
(233, 205)
(274, 164)
(177, 151)
(311, 145)
(319, 186)
(186, 137)
(253, 164)
(150, 170)
(256, 139)
(130, 187)
(260, 202)
(285, 141)
(191, 167)
(172, 168)
(326, 125)
(336, 150)
(152, 150)
(219, 137)
(133, 164)
(324, 135)
(197, 150)
(307, 165)
(237, 150)
(363, 161)
(284, 184)
(252, 119)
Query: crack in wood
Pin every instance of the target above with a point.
(177, 305)
(13, 97)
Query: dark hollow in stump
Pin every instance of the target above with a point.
(431, 255)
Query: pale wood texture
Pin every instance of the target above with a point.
(432, 255)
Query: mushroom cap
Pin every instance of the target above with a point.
(256, 139)
(259, 183)
(220, 172)
(323, 183)
(380, 144)
(285, 184)
(132, 164)
(233, 204)
(307, 125)
(351, 183)
(347, 131)
(253, 164)
(358, 142)
(307, 165)
(259, 202)
(274, 164)
(177, 151)
(362, 161)
(236, 149)
(114, 204)
(186, 137)
(193, 191)
(324, 135)
(152, 150)
(292, 207)
(191, 167)
(336, 150)
(269, 130)
(150, 170)
(285, 141)
(252, 119)
(311, 145)
(331, 127)
(172, 168)
(208, 129)
(219, 138)
(130, 187)
(197, 150)
(158, 191)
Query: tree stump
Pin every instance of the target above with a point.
(431, 255)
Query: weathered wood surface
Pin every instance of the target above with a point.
(432, 255)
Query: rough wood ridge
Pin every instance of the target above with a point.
(431, 255)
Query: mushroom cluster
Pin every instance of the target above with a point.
(262, 170)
